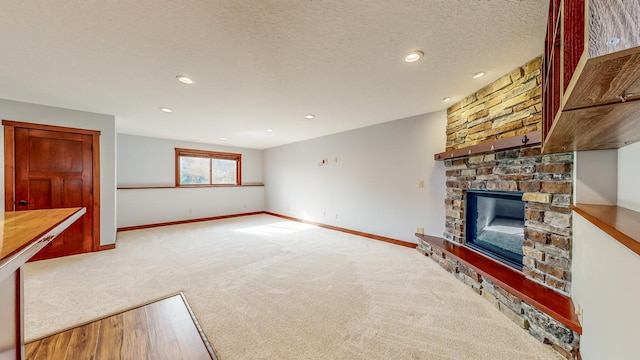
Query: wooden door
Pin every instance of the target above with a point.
(54, 169)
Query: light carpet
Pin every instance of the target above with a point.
(266, 288)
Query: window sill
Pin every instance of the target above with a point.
(554, 304)
(182, 186)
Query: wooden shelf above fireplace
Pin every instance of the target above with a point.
(512, 142)
(554, 304)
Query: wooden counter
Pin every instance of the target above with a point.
(22, 235)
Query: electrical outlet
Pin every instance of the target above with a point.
(335, 159)
(190, 211)
(420, 230)
(579, 312)
(421, 183)
(336, 216)
(244, 206)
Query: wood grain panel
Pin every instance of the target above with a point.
(136, 342)
(82, 344)
(595, 128)
(40, 194)
(620, 223)
(67, 152)
(603, 80)
(529, 139)
(22, 124)
(155, 319)
(165, 329)
(64, 160)
(21, 228)
(554, 304)
(9, 168)
(109, 343)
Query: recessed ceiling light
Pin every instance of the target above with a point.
(413, 56)
(309, 116)
(167, 110)
(223, 138)
(184, 79)
(269, 130)
(613, 41)
(479, 75)
(446, 99)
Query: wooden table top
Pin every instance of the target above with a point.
(20, 228)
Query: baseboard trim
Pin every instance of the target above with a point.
(148, 226)
(107, 247)
(352, 232)
(331, 227)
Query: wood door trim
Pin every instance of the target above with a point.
(10, 169)
(95, 149)
(33, 126)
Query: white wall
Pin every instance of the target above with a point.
(595, 174)
(373, 185)
(605, 275)
(629, 177)
(145, 161)
(40, 114)
(603, 270)
(152, 206)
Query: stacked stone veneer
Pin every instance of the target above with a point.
(511, 105)
(508, 107)
(546, 182)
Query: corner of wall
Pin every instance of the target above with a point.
(596, 177)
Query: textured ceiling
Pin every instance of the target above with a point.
(259, 65)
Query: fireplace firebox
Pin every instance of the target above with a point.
(495, 225)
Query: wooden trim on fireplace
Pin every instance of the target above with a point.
(528, 139)
(554, 304)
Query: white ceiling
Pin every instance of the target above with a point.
(259, 64)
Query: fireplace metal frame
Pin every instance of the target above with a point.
(495, 252)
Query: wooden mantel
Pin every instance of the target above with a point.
(512, 142)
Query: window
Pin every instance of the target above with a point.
(202, 168)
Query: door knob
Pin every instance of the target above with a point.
(22, 202)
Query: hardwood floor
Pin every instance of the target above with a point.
(165, 329)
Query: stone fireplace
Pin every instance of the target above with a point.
(538, 223)
(546, 184)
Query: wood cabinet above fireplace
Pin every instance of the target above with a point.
(591, 75)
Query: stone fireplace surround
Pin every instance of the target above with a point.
(510, 107)
(546, 181)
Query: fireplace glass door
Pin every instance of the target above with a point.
(495, 225)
